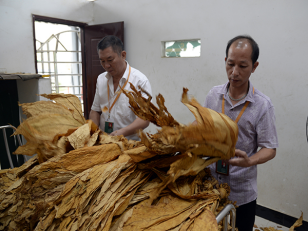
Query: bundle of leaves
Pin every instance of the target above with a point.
(84, 179)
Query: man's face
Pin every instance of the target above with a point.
(239, 64)
(112, 62)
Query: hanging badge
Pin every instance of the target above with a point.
(109, 125)
(222, 167)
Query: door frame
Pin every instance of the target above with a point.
(84, 28)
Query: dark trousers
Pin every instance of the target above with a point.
(245, 216)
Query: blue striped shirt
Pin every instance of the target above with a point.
(256, 130)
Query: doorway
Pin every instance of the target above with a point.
(58, 52)
(82, 70)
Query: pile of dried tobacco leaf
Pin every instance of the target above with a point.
(84, 179)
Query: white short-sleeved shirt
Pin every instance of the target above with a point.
(120, 114)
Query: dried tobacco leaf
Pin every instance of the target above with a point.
(168, 213)
(93, 139)
(205, 221)
(88, 180)
(139, 153)
(146, 110)
(270, 228)
(41, 107)
(188, 166)
(70, 101)
(39, 131)
(44, 183)
(298, 223)
(80, 137)
(215, 135)
(98, 193)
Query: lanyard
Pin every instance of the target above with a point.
(243, 109)
(115, 100)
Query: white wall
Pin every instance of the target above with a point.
(279, 27)
(16, 33)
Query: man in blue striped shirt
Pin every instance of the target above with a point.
(254, 113)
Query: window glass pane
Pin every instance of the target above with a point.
(46, 68)
(51, 45)
(64, 68)
(37, 44)
(45, 56)
(39, 68)
(182, 48)
(44, 47)
(70, 90)
(67, 56)
(39, 56)
(64, 80)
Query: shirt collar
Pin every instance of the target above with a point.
(125, 75)
(249, 96)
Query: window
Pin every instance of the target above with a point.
(59, 55)
(182, 48)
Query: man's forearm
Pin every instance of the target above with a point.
(263, 155)
(95, 117)
(132, 128)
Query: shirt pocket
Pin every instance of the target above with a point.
(123, 109)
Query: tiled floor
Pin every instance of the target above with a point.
(261, 222)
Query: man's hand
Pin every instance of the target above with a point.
(132, 128)
(242, 159)
(118, 132)
(262, 156)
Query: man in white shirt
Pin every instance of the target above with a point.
(110, 109)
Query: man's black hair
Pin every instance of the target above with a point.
(254, 46)
(111, 41)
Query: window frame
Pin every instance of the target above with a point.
(163, 48)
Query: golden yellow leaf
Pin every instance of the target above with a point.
(89, 180)
(70, 101)
(298, 223)
(40, 107)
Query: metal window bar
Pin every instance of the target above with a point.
(60, 62)
(58, 50)
(7, 145)
(42, 58)
(55, 61)
(223, 215)
(48, 55)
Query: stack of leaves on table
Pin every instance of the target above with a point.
(84, 179)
